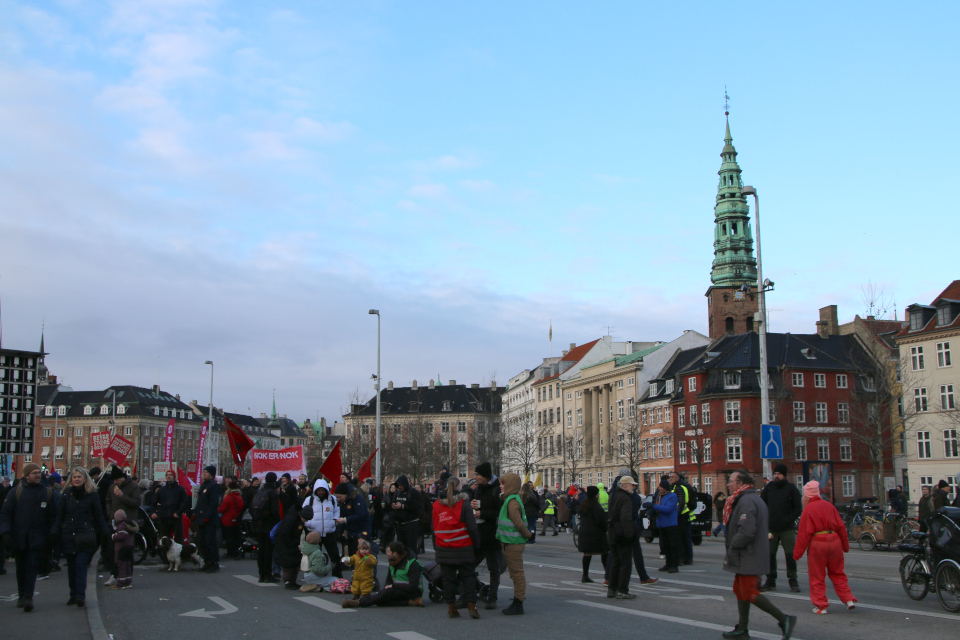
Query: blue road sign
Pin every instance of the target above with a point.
(771, 442)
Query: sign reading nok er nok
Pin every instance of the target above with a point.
(290, 460)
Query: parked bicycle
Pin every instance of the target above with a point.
(933, 562)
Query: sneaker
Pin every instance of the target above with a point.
(611, 593)
(111, 582)
(125, 586)
(292, 586)
(820, 611)
(307, 588)
(737, 632)
(794, 586)
(626, 596)
(650, 581)
(787, 626)
(851, 604)
(44, 577)
(71, 601)
(81, 603)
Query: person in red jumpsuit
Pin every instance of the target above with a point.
(822, 530)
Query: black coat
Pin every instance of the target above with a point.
(592, 535)
(171, 500)
(620, 518)
(490, 504)
(286, 553)
(411, 505)
(208, 501)
(271, 515)
(783, 505)
(30, 518)
(79, 522)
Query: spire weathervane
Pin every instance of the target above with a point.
(726, 101)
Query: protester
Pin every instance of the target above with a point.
(230, 510)
(169, 504)
(78, 523)
(364, 565)
(265, 513)
(531, 506)
(317, 576)
(592, 536)
(486, 509)
(402, 586)
(667, 508)
(4, 490)
(354, 514)
(406, 506)
(208, 520)
(603, 498)
(455, 536)
(286, 551)
(549, 512)
(718, 501)
(123, 540)
(940, 497)
(620, 533)
(822, 532)
(326, 513)
(924, 507)
(783, 505)
(748, 554)
(512, 531)
(26, 519)
(685, 505)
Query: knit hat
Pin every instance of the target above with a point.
(120, 515)
(665, 483)
(270, 477)
(942, 484)
(623, 471)
(780, 468)
(343, 489)
(95, 471)
(811, 489)
(593, 492)
(212, 470)
(29, 468)
(306, 513)
(484, 469)
(313, 537)
(117, 473)
(55, 478)
(287, 476)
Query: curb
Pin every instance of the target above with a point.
(97, 630)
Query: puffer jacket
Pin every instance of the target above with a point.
(286, 553)
(325, 511)
(79, 522)
(364, 568)
(490, 504)
(357, 514)
(320, 564)
(28, 518)
(620, 516)
(230, 508)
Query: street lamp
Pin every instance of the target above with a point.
(206, 441)
(761, 292)
(376, 312)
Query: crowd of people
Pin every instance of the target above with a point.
(321, 528)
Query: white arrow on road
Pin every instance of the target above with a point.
(694, 597)
(203, 613)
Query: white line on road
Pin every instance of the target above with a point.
(326, 605)
(203, 613)
(409, 635)
(256, 582)
(674, 619)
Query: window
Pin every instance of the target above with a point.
(445, 448)
(707, 450)
(823, 448)
(916, 358)
(734, 449)
(659, 447)
(694, 452)
(705, 413)
(643, 417)
(946, 397)
(843, 412)
(659, 415)
(551, 445)
(731, 380)
(669, 446)
(681, 417)
(666, 415)
(653, 389)
(920, 399)
(923, 444)
(462, 447)
(539, 395)
(846, 449)
(847, 486)
(445, 427)
(568, 395)
(821, 412)
(60, 432)
(78, 432)
(550, 389)
(579, 394)
(619, 384)
(797, 379)
(820, 380)
(926, 481)
(630, 382)
(462, 426)
(943, 354)
(600, 414)
(691, 384)
(800, 448)
(631, 408)
(397, 430)
(620, 413)
(669, 388)
(799, 412)
(128, 431)
(682, 451)
(950, 449)
(364, 429)
(708, 485)
(841, 381)
(448, 405)
(693, 415)
(551, 416)
(46, 433)
(88, 410)
(569, 418)
(104, 410)
(772, 411)
(622, 444)
(733, 410)
(579, 417)
(48, 411)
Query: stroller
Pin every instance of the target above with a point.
(431, 571)
(248, 541)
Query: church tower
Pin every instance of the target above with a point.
(732, 296)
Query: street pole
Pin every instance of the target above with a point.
(376, 312)
(56, 421)
(761, 292)
(206, 442)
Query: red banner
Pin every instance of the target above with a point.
(203, 437)
(280, 461)
(118, 450)
(168, 443)
(100, 443)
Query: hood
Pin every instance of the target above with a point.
(321, 484)
(403, 484)
(510, 483)
(600, 486)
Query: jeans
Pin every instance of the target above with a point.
(722, 528)
(788, 539)
(77, 565)
(207, 539)
(492, 556)
(27, 564)
(409, 534)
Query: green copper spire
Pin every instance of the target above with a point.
(274, 422)
(733, 261)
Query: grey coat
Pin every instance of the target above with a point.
(748, 548)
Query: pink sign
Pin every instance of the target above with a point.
(168, 444)
(118, 450)
(203, 437)
(280, 461)
(101, 441)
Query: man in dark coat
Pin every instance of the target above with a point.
(265, 511)
(354, 514)
(621, 533)
(122, 493)
(486, 508)
(748, 554)
(170, 502)
(208, 517)
(940, 497)
(686, 497)
(406, 507)
(26, 521)
(783, 504)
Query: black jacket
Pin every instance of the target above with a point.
(287, 550)
(620, 518)
(79, 522)
(592, 536)
(783, 504)
(30, 518)
(490, 504)
(171, 500)
(208, 501)
(410, 501)
(271, 514)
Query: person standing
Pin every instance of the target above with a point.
(685, 504)
(208, 517)
(170, 502)
(123, 494)
(512, 531)
(326, 513)
(549, 512)
(354, 515)
(455, 536)
(822, 532)
(718, 501)
(667, 508)
(592, 536)
(621, 533)
(748, 554)
(486, 508)
(406, 507)
(78, 523)
(783, 506)
(230, 510)
(286, 551)
(265, 512)
(531, 506)
(924, 507)
(4, 490)
(940, 497)
(26, 519)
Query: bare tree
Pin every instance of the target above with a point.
(877, 303)
(523, 444)
(629, 446)
(419, 448)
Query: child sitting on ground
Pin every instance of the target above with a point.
(317, 576)
(364, 563)
(123, 549)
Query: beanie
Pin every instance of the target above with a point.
(55, 478)
(95, 471)
(623, 472)
(29, 468)
(287, 476)
(212, 470)
(780, 468)
(314, 536)
(116, 473)
(665, 483)
(942, 484)
(484, 469)
(306, 513)
(343, 489)
(811, 489)
(120, 515)
(270, 477)
(593, 492)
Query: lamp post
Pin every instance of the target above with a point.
(206, 442)
(761, 292)
(376, 312)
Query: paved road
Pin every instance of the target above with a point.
(696, 603)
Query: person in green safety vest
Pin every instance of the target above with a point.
(549, 513)
(403, 581)
(604, 498)
(512, 531)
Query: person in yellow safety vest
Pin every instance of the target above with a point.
(604, 498)
(684, 515)
(549, 512)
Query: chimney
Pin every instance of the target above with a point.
(828, 324)
(475, 386)
(493, 384)
(573, 345)
(156, 388)
(453, 383)
(564, 353)
(390, 384)
(432, 385)
(193, 402)
(414, 385)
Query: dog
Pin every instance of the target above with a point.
(176, 554)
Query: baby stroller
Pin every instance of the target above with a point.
(431, 571)
(248, 541)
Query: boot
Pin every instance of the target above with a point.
(794, 585)
(515, 608)
(769, 585)
(452, 610)
(350, 604)
(472, 608)
(491, 603)
(418, 602)
(585, 579)
(28, 604)
(611, 593)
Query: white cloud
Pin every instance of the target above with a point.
(430, 191)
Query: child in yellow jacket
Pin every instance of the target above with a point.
(363, 563)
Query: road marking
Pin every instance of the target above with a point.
(692, 596)
(256, 581)
(674, 619)
(203, 613)
(326, 605)
(408, 635)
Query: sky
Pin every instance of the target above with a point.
(192, 180)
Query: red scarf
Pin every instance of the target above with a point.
(728, 505)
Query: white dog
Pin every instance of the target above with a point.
(176, 554)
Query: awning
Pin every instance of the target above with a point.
(59, 452)
(45, 453)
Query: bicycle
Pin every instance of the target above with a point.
(934, 563)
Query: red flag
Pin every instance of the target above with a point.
(240, 443)
(184, 480)
(364, 472)
(332, 467)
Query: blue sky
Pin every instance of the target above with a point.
(189, 180)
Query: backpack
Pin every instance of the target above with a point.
(260, 507)
(340, 585)
(19, 491)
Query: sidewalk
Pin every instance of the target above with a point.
(50, 614)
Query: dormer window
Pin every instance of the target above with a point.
(731, 380)
(156, 410)
(104, 409)
(669, 388)
(62, 410)
(48, 411)
(414, 407)
(653, 389)
(121, 409)
(88, 410)
(448, 405)
(808, 353)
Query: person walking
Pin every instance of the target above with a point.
(592, 536)
(265, 512)
(78, 523)
(208, 518)
(718, 501)
(549, 513)
(666, 508)
(531, 507)
(748, 554)
(822, 532)
(512, 531)
(486, 508)
(783, 505)
(924, 507)
(455, 536)
(940, 497)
